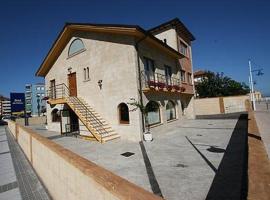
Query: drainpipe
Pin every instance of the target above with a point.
(140, 77)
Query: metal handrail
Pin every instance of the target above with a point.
(158, 79)
(58, 91)
(92, 116)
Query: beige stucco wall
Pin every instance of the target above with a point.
(112, 59)
(170, 36)
(207, 106)
(212, 106)
(235, 104)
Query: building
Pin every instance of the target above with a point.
(198, 76)
(34, 103)
(92, 71)
(5, 108)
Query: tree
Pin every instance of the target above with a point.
(216, 85)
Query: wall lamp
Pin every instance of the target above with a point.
(70, 70)
(100, 84)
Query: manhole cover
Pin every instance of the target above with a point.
(127, 154)
(181, 165)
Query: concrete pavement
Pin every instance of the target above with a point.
(194, 159)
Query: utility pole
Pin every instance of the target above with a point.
(252, 87)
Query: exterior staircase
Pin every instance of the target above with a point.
(97, 126)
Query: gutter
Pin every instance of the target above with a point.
(140, 77)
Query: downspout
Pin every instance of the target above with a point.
(140, 77)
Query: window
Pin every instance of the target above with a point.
(183, 49)
(42, 94)
(42, 88)
(55, 115)
(168, 75)
(183, 76)
(75, 47)
(152, 113)
(149, 69)
(123, 113)
(189, 78)
(86, 73)
(38, 88)
(170, 111)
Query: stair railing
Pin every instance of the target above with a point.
(58, 91)
(89, 115)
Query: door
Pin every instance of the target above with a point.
(52, 89)
(72, 83)
(149, 68)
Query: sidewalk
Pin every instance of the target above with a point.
(17, 178)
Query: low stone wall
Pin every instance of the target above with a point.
(220, 105)
(32, 120)
(66, 175)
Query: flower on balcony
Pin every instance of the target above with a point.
(169, 87)
(161, 85)
(176, 87)
(182, 89)
(152, 84)
(45, 98)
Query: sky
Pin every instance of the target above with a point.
(228, 33)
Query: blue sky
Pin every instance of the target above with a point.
(228, 33)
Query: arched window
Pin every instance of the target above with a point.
(76, 46)
(170, 111)
(55, 115)
(123, 113)
(152, 113)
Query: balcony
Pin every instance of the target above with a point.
(160, 82)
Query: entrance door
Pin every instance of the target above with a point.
(72, 83)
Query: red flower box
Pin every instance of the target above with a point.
(169, 87)
(182, 89)
(161, 85)
(176, 87)
(151, 84)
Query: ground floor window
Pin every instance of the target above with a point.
(55, 115)
(170, 110)
(123, 113)
(152, 113)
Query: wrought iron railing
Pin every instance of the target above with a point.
(58, 91)
(88, 115)
(160, 81)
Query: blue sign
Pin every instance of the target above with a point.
(17, 101)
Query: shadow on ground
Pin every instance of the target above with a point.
(230, 181)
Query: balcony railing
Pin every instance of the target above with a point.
(160, 82)
(58, 91)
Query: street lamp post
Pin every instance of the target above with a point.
(38, 105)
(252, 86)
(251, 83)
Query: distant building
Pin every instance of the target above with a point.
(34, 93)
(5, 109)
(198, 77)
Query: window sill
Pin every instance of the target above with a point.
(172, 120)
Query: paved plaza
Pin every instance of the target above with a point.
(191, 159)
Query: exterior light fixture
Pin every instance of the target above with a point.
(70, 70)
(100, 84)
